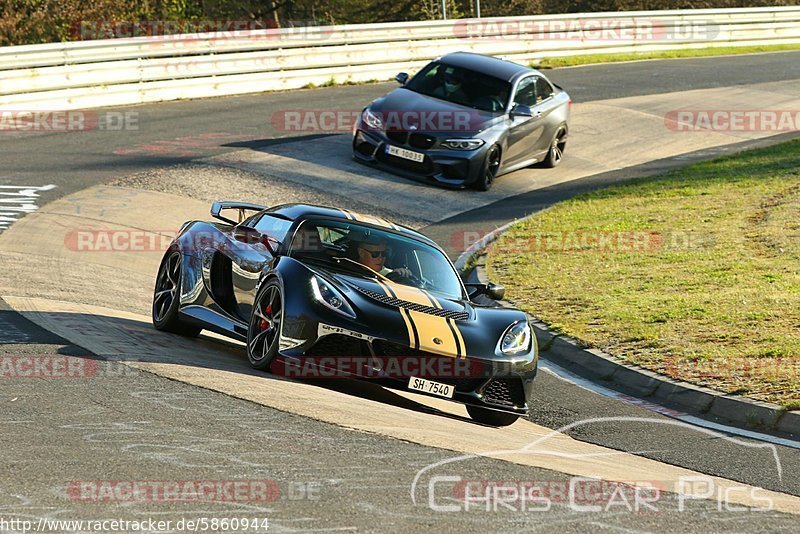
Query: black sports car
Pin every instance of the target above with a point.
(318, 292)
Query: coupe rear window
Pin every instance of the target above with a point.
(268, 224)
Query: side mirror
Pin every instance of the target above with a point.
(402, 78)
(520, 110)
(491, 290)
(495, 291)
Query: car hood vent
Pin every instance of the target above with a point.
(398, 303)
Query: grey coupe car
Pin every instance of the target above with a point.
(463, 120)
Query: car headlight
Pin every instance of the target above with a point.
(372, 119)
(516, 339)
(463, 144)
(330, 297)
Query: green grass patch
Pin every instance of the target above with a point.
(332, 82)
(694, 274)
(571, 61)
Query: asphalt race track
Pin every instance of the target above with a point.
(340, 455)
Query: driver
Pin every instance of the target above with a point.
(451, 87)
(372, 250)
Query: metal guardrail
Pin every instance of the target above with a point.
(99, 73)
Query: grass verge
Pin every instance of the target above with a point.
(694, 274)
(572, 61)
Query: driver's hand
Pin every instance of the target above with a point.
(402, 272)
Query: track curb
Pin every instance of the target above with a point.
(597, 365)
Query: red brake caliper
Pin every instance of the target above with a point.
(264, 323)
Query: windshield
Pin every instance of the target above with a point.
(461, 86)
(346, 246)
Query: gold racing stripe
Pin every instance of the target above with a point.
(462, 352)
(429, 327)
(459, 337)
(377, 221)
(413, 337)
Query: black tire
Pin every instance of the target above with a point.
(166, 297)
(491, 417)
(489, 169)
(263, 333)
(557, 146)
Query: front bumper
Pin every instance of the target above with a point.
(449, 168)
(324, 350)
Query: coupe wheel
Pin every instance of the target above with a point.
(166, 297)
(489, 170)
(557, 147)
(263, 334)
(491, 417)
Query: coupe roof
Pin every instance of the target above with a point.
(304, 211)
(498, 68)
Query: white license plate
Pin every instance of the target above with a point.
(405, 154)
(429, 386)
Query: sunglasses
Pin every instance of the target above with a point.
(376, 253)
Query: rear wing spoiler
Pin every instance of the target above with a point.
(242, 207)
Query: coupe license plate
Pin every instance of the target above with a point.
(429, 386)
(405, 154)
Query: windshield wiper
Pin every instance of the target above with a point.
(363, 267)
